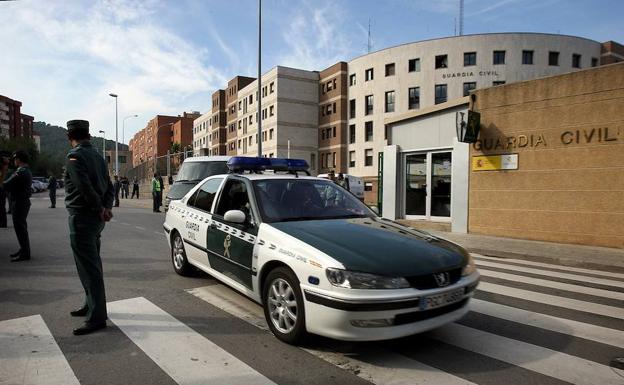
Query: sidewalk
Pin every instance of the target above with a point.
(143, 203)
(602, 258)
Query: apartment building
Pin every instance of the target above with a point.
(202, 134)
(231, 99)
(14, 124)
(332, 115)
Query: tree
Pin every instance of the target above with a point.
(176, 147)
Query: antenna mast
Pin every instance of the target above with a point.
(461, 17)
(370, 43)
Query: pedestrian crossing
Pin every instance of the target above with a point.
(556, 336)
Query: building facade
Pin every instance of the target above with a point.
(125, 162)
(202, 135)
(14, 124)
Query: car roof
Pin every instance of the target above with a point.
(216, 158)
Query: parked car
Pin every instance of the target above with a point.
(41, 183)
(356, 185)
(193, 171)
(327, 266)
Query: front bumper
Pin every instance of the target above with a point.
(384, 319)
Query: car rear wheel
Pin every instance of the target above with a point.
(178, 256)
(283, 306)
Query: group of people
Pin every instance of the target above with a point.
(89, 195)
(122, 186)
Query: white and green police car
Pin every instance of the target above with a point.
(316, 258)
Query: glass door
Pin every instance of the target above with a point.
(428, 186)
(416, 185)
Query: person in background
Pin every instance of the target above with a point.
(135, 188)
(52, 190)
(89, 199)
(162, 188)
(155, 193)
(117, 188)
(4, 169)
(19, 185)
(343, 182)
(125, 187)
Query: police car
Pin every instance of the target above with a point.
(317, 259)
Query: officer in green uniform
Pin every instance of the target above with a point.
(89, 199)
(19, 185)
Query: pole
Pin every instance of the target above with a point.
(103, 144)
(116, 139)
(259, 78)
(288, 156)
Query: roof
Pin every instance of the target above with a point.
(217, 158)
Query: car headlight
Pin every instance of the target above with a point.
(470, 267)
(357, 280)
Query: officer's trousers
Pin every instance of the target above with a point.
(3, 213)
(53, 198)
(84, 235)
(19, 211)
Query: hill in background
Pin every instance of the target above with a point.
(54, 140)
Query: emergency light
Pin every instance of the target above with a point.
(255, 164)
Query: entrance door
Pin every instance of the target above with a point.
(428, 186)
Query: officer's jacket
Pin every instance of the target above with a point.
(19, 184)
(88, 188)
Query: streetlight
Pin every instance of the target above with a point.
(116, 136)
(123, 127)
(103, 143)
(259, 79)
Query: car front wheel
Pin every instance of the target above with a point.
(178, 256)
(283, 306)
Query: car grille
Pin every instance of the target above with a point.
(428, 281)
(408, 318)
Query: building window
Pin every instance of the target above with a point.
(390, 69)
(368, 127)
(313, 161)
(499, 57)
(271, 134)
(470, 59)
(368, 186)
(441, 61)
(440, 93)
(390, 101)
(352, 80)
(414, 98)
(351, 158)
(330, 86)
(413, 65)
(351, 108)
(594, 62)
(576, 60)
(368, 104)
(469, 86)
(368, 157)
(333, 159)
(527, 57)
(251, 99)
(368, 75)
(271, 110)
(553, 58)
(271, 88)
(250, 120)
(498, 82)
(352, 133)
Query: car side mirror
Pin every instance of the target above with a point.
(235, 216)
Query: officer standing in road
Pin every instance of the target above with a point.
(52, 190)
(4, 169)
(19, 185)
(89, 199)
(156, 188)
(117, 188)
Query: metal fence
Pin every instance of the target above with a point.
(166, 165)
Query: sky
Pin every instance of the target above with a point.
(62, 58)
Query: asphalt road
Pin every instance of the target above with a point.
(531, 324)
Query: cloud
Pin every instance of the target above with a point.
(74, 54)
(313, 38)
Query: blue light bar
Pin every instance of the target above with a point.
(243, 163)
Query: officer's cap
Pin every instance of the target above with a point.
(78, 129)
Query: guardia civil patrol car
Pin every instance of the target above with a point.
(317, 259)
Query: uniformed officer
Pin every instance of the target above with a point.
(89, 199)
(4, 169)
(19, 185)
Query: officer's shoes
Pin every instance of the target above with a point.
(79, 312)
(19, 258)
(89, 328)
(16, 254)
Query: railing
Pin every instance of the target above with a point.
(165, 165)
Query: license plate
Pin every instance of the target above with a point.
(440, 300)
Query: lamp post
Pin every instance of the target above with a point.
(103, 143)
(116, 136)
(123, 127)
(259, 79)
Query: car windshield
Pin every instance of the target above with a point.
(281, 200)
(196, 171)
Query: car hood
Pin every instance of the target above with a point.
(179, 189)
(377, 246)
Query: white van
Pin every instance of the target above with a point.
(193, 171)
(356, 185)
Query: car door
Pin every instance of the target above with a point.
(230, 245)
(197, 220)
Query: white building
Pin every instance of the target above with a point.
(201, 134)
